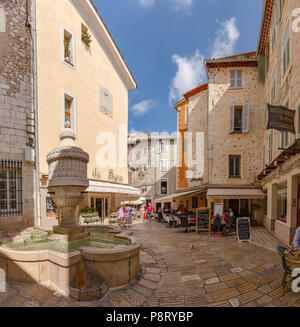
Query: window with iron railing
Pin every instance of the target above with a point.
(10, 188)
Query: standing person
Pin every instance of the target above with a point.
(160, 216)
(142, 211)
(231, 216)
(121, 213)
(150, 210)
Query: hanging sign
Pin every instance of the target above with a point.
(281, 119)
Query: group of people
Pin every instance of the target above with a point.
(220, 223)
(133, 212)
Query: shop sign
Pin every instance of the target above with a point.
(96, 174)
(114, 178)
(281, 119)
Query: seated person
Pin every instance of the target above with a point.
(217, 223)
(160, 215)
(297, 238)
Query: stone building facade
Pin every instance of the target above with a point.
(152, 166)
(17, 170)
(278, 50)
(227, 114)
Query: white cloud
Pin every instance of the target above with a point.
(190, 73)
(142, 107)
(147, 3)
(191, 70)
(182, 4)
(226, 39)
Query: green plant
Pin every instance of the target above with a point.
(86, 38)
(67, 48)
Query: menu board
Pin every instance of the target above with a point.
(203, 220)
(244, 229)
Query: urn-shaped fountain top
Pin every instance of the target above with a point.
(67, 163)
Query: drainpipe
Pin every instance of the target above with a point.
(37, 220)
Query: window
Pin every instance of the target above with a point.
(282, 201)
(163, 146)
(236, 79)
(286, 50)
(273, 32)
(68, 47)
(68, 105)
(239, 119)
(69, 111)
(284, 139)
(195, 202)
(106, 102)
(187, 115)
(273, 88)
(10, 188)
(235, 166)
(271, 146)
(164, 165)
(164, 187)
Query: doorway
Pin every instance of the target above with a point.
(235, 206)
(102, 207)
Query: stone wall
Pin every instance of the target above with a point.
(221, 141)
(287, 85)
(16, 99)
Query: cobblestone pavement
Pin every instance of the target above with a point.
(183, 269)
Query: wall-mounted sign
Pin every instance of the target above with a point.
(196, 179)
(114, 178)
(96, 174)
(281, 119)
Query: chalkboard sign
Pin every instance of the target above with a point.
(244, 229)
(203, 220)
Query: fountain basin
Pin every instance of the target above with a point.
(57, 268)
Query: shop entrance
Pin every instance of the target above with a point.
(235, 206)
(102, 207)
(298, 207)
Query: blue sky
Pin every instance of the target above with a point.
(164, 43)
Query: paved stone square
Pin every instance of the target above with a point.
(184, 269)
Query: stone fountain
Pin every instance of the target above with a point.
(66, 183)
(77, 261)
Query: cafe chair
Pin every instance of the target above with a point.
(288, 265)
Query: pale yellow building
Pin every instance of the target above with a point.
(86, 84)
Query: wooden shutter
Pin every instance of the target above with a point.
(232, 119)
(278, 10)
(232, 79)
(246, 117)
(239, 78)
(261, 68)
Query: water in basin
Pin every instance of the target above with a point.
(99, 238)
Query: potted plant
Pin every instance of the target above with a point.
(67, 50)
(86, 38)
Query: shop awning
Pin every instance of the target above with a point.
(232, 194)
(103, 187)
(177, 195)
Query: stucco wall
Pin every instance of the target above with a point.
(93, 69)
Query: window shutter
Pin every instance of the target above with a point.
(239, 78)
(246, 115)
(232, 119)
(278, 10)
(232, 79)
(261, 68)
